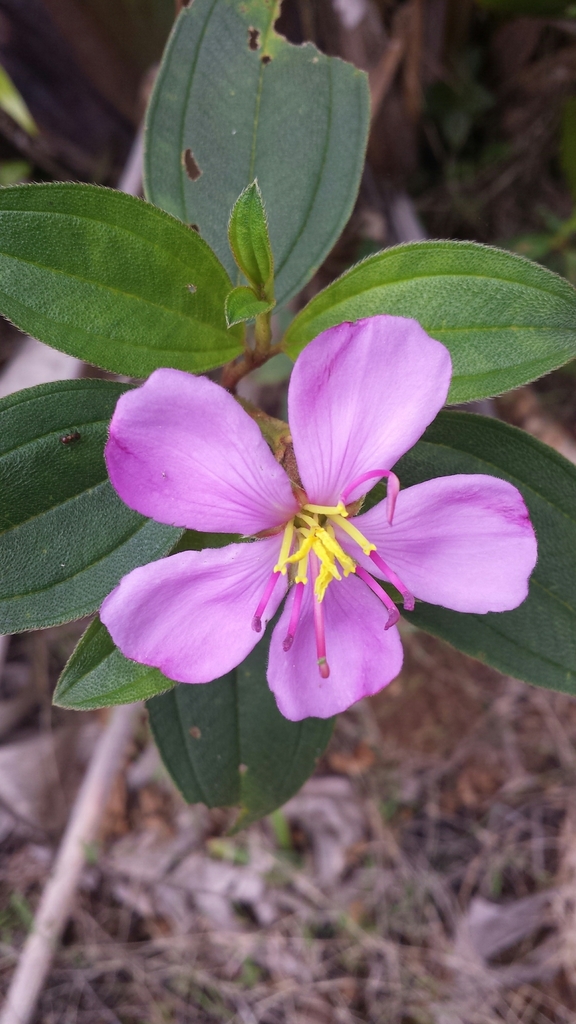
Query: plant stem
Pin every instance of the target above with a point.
(233, 372)
(263, 333)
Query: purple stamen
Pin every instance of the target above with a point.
(319, 629)
(391, 492)
(257, 620)
(394, 580)
(393, 613)
(298, 595)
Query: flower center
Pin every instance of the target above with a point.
(312, 531)
(310, 547)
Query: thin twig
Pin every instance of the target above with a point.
(54, 907)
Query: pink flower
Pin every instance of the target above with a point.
(184, 452)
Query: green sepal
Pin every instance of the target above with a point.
(97, 675)
(250, 242)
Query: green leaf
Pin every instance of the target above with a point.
(242, 304)
(247, 104)
(504, 319)
(66, 538)
(536, 641)
(225, 743)
(98, 675)
(250, 242)
(112, 280)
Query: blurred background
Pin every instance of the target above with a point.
(426, 874)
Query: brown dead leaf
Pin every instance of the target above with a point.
(360, 760)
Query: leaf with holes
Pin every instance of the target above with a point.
(504, 319)
(66, 538)
(98, 675)
(225, 743)
(537, 640)
(250, 105)
(112, 280)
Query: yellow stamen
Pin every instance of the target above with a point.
(322, 580)
(311, 520)
(302, 550)
(312, 529)
(353, 532)
(326, 559)
(327, 510)
(301, 574)
(285, 549)
(329, 541)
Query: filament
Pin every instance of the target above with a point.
(319, 628)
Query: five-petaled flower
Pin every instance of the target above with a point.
(183, 451)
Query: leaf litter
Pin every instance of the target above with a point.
(426, 873)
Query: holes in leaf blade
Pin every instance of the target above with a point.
(253, 39)
(192, 169)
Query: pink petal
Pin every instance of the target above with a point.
(360, 395)
(465, 542)
(190, 615)
(182, 451)
(362, 655)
